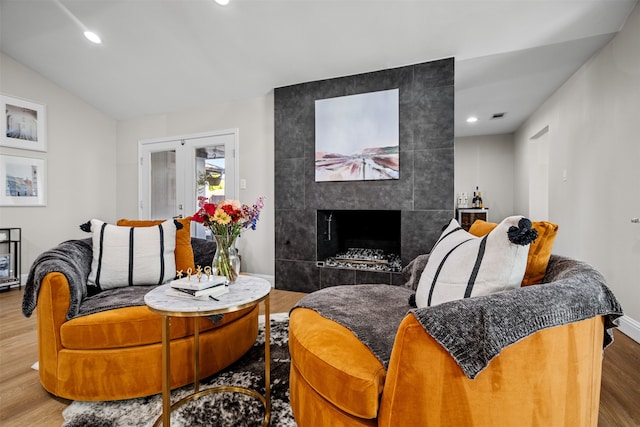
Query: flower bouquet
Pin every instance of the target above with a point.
(226, 220)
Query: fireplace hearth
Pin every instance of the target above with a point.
(364, 259)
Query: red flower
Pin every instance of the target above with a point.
(197, 217)
(209, 208)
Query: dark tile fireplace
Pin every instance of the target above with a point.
(418, 204)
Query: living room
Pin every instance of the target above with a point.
(92, 162)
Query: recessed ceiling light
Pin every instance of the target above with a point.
(472, 119)
(93, 37)
(222, 2)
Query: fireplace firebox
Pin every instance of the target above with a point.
(359, 239)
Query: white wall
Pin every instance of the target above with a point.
(254, 119)
(487, 162)
(593, 136)
(80, 161)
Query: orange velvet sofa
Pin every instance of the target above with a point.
(116, 354)
(549, 377)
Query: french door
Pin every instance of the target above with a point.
(173, 172)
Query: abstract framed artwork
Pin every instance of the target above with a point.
(23, 181)
(357, 137)
(23, 125)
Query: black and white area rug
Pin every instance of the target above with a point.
(218, 409)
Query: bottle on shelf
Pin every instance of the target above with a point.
(476, 198)
(480, 205)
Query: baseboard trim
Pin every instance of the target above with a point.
(630, 327)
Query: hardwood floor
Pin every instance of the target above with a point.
(620, 392)
(23, 402)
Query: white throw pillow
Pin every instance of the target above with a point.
(462, 265)
(128, 256)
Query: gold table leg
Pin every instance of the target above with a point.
(166, 373)
(267, 363)
(196, 354)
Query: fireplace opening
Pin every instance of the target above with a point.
(359, 239)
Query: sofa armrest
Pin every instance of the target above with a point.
(71, 258)
(53, 304)
(424, 383)
(561, 268)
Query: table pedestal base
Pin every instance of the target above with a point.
(222, 389)
(167, 406)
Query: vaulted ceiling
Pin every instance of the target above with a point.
(170, 55)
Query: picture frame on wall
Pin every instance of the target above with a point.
(23, 181)
(357, 137)
(23, 125)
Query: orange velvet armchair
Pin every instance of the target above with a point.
(358, 361)
(116, 353)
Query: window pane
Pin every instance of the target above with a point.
(210, 177)
(163, 184)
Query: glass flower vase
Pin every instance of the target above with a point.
(226, 261)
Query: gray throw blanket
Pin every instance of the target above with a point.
(475, 330)
(372, 312)
(71, 258)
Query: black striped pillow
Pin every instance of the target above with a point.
(462, 265)
(129, 256)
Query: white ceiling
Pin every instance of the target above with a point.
(170, 55)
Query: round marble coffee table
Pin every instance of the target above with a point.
(247, 291)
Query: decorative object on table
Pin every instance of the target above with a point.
(204, 294)
(199, 286)
(24, 181)
(220, 409)
(226, 220)
(24, 124)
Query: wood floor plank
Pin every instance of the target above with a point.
(23, 401)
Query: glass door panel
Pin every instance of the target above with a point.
(211, 178)
(161, 180)
(162, 185)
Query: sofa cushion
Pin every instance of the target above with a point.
(335, 363)
(184, 251)
(461, 265)
(130, 327)
(539, 251)
(126, 256)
